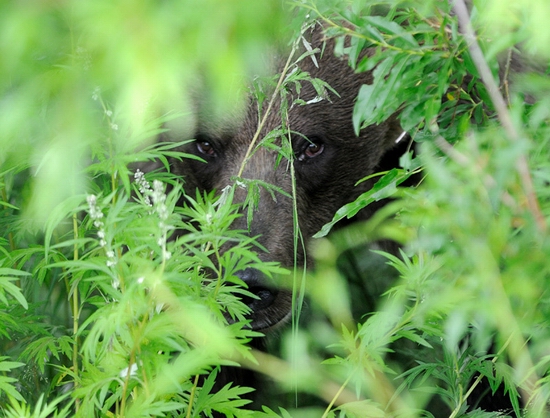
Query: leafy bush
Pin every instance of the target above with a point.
(115, 298)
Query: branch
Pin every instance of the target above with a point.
(500, 106)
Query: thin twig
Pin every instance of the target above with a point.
(269, 106)
(500, 106)
(76, 314)
(336, 396)
(506, 84)
(281, 371)
(451, 151)
(192, 396)
(10, 234)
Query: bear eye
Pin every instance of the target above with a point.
(205, 147)
(313, 149)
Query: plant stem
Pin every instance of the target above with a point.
(136, 348)
(192, 396)
(76, 311)
(298, 294)
(351, 32)
(336, 395)
(10, 234)
(268, 110)
(219, 273)
(503, 113)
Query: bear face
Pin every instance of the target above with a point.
(328, 159)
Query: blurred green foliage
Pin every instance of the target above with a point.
(140, 60)
(102, 314)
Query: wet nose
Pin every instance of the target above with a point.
(258, 286)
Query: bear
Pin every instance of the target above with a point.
(329, 158)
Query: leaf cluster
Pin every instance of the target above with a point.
(127, 303)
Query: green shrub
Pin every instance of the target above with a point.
(115, 300)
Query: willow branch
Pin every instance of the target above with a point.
(499, 103)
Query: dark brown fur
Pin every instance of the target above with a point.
(324, 183)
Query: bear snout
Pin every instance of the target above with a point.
(271, 306)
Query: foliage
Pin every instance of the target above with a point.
(118, 300)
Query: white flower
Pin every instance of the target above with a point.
(158, 192)
(143, 186)
(156, 198)
(91, 199)
(138, 175)
(115, 282)
(96, 93)
(93, 210)
(159, 199)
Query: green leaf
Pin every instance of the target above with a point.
(362, 409)
(367, 99)
(393, 28)
(12, 289)
(5, 381)
(384, 188)
(60, 212)
(226, 401)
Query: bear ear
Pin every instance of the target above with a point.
(398, 143)
(395, 137)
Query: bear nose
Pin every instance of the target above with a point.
(256, 283)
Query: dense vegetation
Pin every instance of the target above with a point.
(104, 313)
